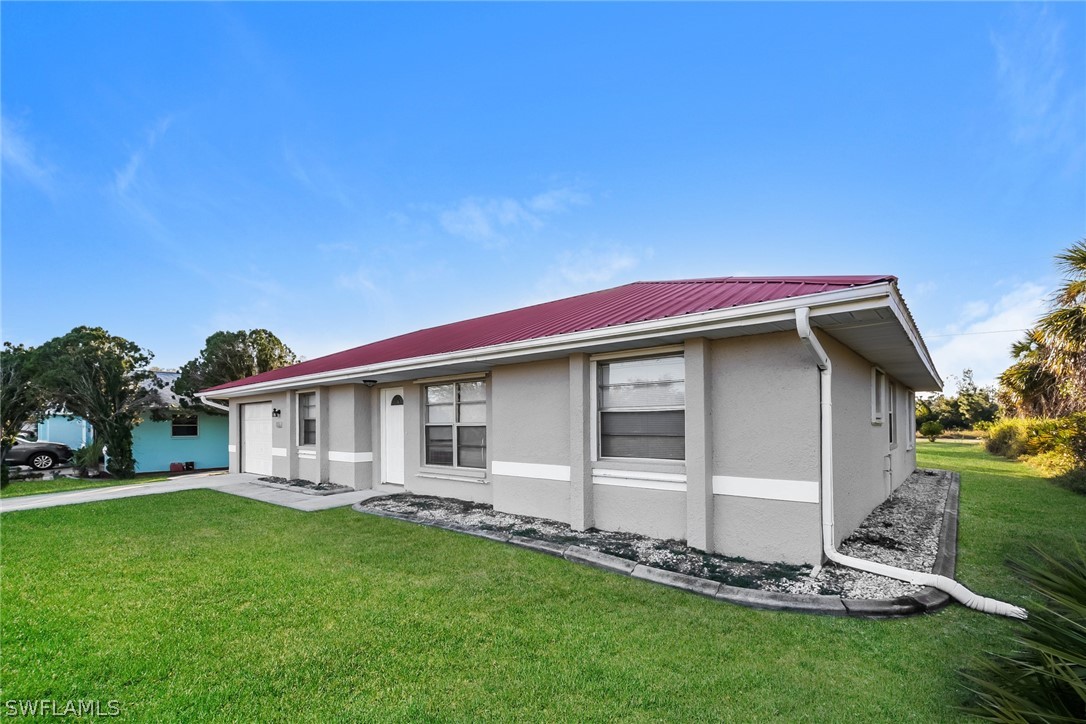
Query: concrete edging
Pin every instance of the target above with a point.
(928, 600)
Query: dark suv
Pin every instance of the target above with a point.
(38, 455)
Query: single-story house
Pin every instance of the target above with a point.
(168, 433)
(700, 410)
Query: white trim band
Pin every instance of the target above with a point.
(639, 479)
(454, 478)
(231, 448)
(539, 471)
(307, 454)
(279, 452)
(350, 457)
(799, 491)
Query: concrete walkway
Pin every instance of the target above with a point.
(241, 484)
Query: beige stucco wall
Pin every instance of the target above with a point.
(530, 414)
(765, 401)
(860, 446)
(656, 513)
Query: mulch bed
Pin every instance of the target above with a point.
(305, 486)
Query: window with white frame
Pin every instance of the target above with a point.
(878, 395)
(642, 408)
(910, 415)
(185, 426)
(307, 418)
(891, 393)
(455, 424)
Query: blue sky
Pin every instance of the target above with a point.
(340, 173)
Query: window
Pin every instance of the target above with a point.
(878, 395)
(910, 433)
(892, 391)
(185, 426)
(456, 424)
(642, 408)
(307, 418)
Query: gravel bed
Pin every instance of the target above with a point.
(306, 484)
(902, 531)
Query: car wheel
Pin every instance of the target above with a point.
(42, 461)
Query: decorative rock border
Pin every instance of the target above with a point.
(928, 600)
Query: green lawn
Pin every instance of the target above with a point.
(17, 488)
(200, 605)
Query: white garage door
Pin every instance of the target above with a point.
(256, 438)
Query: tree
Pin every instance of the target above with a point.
(1028, 388)
(961, 411)
(105, 380)
(1048, 376)
(230, 356)
(21, 397)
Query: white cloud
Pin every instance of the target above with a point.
(557, 200)
(21, 159)
(981, 337)
(125, 177)
(589, 269)
(337, 247)
(360, 280)
(489, 221)
(317, 177)
(1031, 64)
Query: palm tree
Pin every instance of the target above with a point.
(1028, 387)
(1064, 327)
(1048, 377)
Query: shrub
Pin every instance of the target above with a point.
(88, 457)
(1008, 438)
(1074, 480)
(1045, 680)
(931, 430)
(983, 425)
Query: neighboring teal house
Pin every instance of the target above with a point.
(185, 436)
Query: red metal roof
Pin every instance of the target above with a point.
(636, 302)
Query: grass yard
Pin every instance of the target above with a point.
(17, 488)
(200, 605)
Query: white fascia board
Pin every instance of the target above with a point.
(897, 306)
(780, 310)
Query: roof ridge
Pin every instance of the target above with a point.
(799, 279)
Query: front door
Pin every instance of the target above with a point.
(256, 438)
(392, 448)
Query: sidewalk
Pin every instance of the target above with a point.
(241, 484)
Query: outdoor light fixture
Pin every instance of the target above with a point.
(369, 383)
(275, 412)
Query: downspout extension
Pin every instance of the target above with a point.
(948, 585)
(214, 405)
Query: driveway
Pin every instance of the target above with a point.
(242, 484)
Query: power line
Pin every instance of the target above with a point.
(966, 334)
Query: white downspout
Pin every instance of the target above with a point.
(947, 585)
(215, 405)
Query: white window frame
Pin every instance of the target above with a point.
(597, 411)
(878, 395)
(456, 424)
(300, 426)
(891, 421)
(196, 424)
(910, 437)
